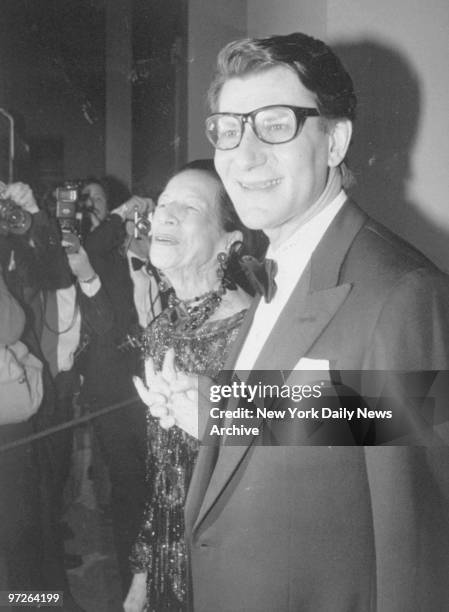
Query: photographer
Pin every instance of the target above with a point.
(31, 255)
(72, 315)
(20, 533)
(60, 307)
(110, 361)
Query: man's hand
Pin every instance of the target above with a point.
(22, 195)
(80, 264)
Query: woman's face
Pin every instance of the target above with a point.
(96, 200)
(186, 228)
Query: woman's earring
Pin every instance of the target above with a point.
(223, 272)
(163, 283)
(222, 259)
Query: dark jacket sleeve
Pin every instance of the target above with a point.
(106, 238)
(50, 261)
(96, 312)
(12, 318)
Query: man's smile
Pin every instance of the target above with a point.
(260, 185)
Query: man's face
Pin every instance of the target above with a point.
(272, 186)
(96, 201)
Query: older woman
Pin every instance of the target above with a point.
(194, 230)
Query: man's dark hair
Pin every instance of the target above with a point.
(115, 190)
(317, 67)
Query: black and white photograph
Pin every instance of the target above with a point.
(224, 305)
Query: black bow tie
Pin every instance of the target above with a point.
(137, 263)
(261, 275)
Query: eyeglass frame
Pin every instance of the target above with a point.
(300, 112)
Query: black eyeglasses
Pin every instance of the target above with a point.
(274, 124)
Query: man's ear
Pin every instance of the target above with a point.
(340, 133)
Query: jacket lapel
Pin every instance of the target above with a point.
(314, 302)
(244, 329)
(303, 319)
(207, 458)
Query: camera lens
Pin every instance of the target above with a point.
(13, 218)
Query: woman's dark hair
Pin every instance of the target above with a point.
(254, 242)
(115, 190)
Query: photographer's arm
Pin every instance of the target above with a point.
(12, 318)
(111, 233)
(51, 261)
(43, 253)
(96, 309)
(107, 237)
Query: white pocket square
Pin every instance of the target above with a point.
(312, 364)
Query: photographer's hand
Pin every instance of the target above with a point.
(126, 210)
(22, 195)
(82, 268)
(94, 219)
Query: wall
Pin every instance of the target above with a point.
(118, 131)
(396, 51)
(266, 17)
(45, 90)
(210, 26)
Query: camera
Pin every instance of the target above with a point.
(13, 218)
(71, 213)
(142, 225)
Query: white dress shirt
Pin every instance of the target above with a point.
(61, 332)
(292, 258)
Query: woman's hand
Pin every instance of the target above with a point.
(183, 407)
(154, 392)
(174, 397)
(137, 594)
(182, 403)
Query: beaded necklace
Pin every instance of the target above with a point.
(188, 315)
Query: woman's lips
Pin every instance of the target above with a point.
(165, 239)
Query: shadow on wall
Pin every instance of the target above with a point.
(389, 106)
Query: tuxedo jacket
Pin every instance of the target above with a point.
(314, 527)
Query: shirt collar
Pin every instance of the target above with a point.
(306, 238)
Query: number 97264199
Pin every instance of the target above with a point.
(31, 598)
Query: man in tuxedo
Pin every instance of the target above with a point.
(314, 525)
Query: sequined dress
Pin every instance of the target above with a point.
(160, 548)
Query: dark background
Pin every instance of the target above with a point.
(53, 81)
